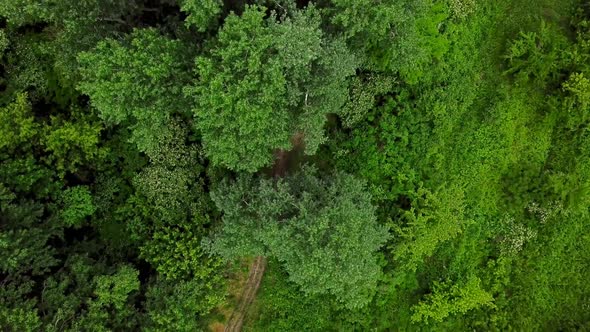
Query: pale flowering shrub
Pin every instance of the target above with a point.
(462, 8)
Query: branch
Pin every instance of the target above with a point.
(115, 20)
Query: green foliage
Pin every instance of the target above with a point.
(177, 306)
(437, 218)
(86, 294)
(461, 9)
(176, 253)
(48, 35)
(72, 144)
(397, 36)
(69, 144)
(463, 128)
(235, 121)
(17, 124)
(4, 42)
(77, 205)
(454, 163)
(283, 307)
(169, 210)
(27, 66)
(263, 81)
(19, 319)
(536, 56)
(457, 299)
(577, 100)
(371, 21)
(22, 238)
(22, 12)
(551, 293)
(25, 249)
(201, 13)
(25, 175)
(113, 290)
(364, 93)
(137, 82)
(323, 231)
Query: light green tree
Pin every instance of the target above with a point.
(201, 13)
(264, 80)
(77, 205)
(435, 219)
(71, 144)
(17, 124)
(322, 229)
(456, 299)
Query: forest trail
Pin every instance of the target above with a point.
(236, 319)
(279, 169)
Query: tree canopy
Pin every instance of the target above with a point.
(322, 230)
(265, 79)
(294, 165)
(137, 83)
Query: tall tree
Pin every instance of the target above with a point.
(137, 82)
(322, 229)
(262, 81)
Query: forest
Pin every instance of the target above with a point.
(294, 165)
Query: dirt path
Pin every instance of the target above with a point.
(236, 320)
(279, 169)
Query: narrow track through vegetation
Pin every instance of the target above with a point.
(279, 169)
(236, 320)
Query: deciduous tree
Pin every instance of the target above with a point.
(322, 229)
(137, 82)
(264, 80)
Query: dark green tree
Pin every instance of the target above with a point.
(169, 209)
(47, 35)
(180, 305)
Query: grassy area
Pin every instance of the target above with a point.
(236, 279)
